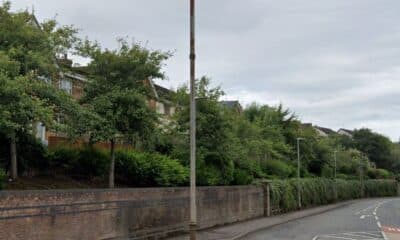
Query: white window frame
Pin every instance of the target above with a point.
(160, 108)
(66, 85)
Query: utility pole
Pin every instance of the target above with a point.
(193, 207)
(298, 173)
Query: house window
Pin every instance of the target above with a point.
(160, 108)
(172, 111)
(66, 85)
(167, 110)
(41, 133)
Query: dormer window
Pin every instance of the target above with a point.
(66, 85)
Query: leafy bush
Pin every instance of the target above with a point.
(242, 177)
(209, 175)
(283, 195)
(319, 191)
(92, 162)
(378, 173)
(278, 168)
(3, 178)
(82, 163)
(31, 154)
(149, 170)
(348, 189)
(380, 188)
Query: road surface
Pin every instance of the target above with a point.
(369, 219)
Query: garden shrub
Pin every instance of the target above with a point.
(320, 191)
(149, 169)
(84, 163)
(380, 188)
(31, 153)
(278, 168)
(242, 176)
(377, 173)
(92, 162)
(209, 175)
(3, 178)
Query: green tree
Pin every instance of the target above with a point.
(27, 54)
(214, 163)
(117, 93)
(377, 147)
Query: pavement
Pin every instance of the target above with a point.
(243, 229)
(373, 219)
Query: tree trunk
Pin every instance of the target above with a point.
(112, 164)
(13, 154)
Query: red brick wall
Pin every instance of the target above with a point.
(57, 141)
(120, 213)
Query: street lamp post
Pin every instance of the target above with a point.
(193, 209)
(362, 175)
(298, 172)
(335, 156)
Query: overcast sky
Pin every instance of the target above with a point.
(336, 63)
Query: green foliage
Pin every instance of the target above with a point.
(376, 146)
(117, 93)
(19, 108)
(3, 178)
(282, 195)
(278, 168)
(380, 188)
(32, 155)
(232, 147)
(85, 163)
(378, 173)
(319, 191)
(32, 45)
(27, 55)
(242, 177)
(149, 170)
(215, 162)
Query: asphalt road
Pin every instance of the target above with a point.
(368, 219)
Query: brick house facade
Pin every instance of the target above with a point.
(72, 80)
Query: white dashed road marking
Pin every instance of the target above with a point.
(352, 236)
(373, 209)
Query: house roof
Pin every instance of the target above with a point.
(346, 130)
(163, 93)
(232, 105)
(306, 125)
(327, 131)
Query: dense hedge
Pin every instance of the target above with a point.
(149, 170)
(85, 163)
(3, 178)
(319, 191)
(380, 188)
(133, 169)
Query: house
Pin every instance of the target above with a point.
(73, 79)
(345, 132)
(232, 105)
(69, 81)
(161, 99)
(306, 125)
(323, 132)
